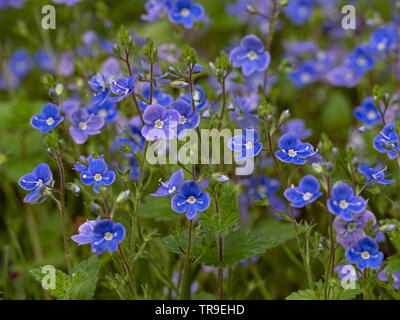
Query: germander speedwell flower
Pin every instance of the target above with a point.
(84, 125)
(48, 119)
(365, 254)
(98, 84)
(36, 182)
(160, 123)
(246, 144)
(374, 174)
(293, 150)
(171, 186)
(306, 192)
(388, 141)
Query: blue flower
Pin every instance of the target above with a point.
(298, 128)
(36, 182)
(247, 144)
(84, 125)
(383, 38)
(159, 97)
(305, 193)
(360, 58)
(107, 110)
(262, 185)
(367, 113)
(171, 186)
(344, 202)
(190, 199)
(48, 119)
(189, 119)
(101, 234)
(250, 55)
(374, 174)
(96, 173)
(185, 12)
(365, 254)
(154, 10)
(160, 122)
(199, 98)
(245, 113)
(293, 150)
(44, 60)
(122, 88)
(382, 276)
(348, 233)
(20, 63)
(304, 74)
(344, 76)
(388, 141)
(98, 84)
(299, 11)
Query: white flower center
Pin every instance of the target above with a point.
(307, 196)
(351, 227)
(182, 120)
(103, 113)
(108, 236)
(248, 145)
(39, 182)
(191, 200)
(365, 255)
(50, 121)
(172, 189)
(252, 55)
(305, 77)
(98, 177)
(185, 12)
(361, 61)
(159, 124)
(83, 125)
(371, 115)
(343, 204)
(292, 153)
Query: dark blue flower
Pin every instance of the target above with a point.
(98, 84)
(185, 12)
(365, 254)
(367, 113)
(383, 38)
(48, 119)
(189, 119)
(101, 234)
(344, 202)
(297, 127)
(199, 98)
(170, 186)
(374, 174)
(360, 58)
(122, 88)
(348, 233)
(190, 199)
(107, 110)
(96, 173)
(20, 63)
(159, 122)
(159, 97)
(247, 144)
(84, 125)
(388, 141)
(299, 11)
(304, 74)
(305, 193)
(250, 55)
(293, 150)
(36, 182)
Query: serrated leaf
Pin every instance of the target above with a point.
(240, 245)
(278, 230)
(61, 281)
(393, 263)
(84, 280)
(306, 294)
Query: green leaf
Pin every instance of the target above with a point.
(393, 263)
(228, 210)
(59, 288)
(306, 294)
(157, 208)
(84, 280)
(240, 245)
(278, 230)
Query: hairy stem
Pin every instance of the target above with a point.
(185, 289)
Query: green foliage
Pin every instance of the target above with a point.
(307, 294)
(393, 263)
(62, 284)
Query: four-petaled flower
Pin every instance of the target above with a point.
(171, 186)
(48, 119)
(250, 55)
(388, 141)
(185, 12)
(84, 125)
(101, 234)
(191, 199)
(367, 112)
(293, 150)
(247, 144)
(344, 202)
(189, 119)
(365, 254)
(374, 174)
(98, 84)
(160, 122)
(306, 192)
(36, 182)
(122, 88)
(96, 173)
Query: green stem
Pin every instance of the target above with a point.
(128, 270)
(185, 289)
